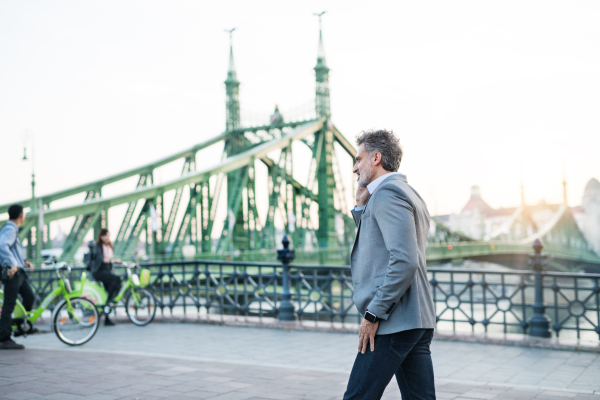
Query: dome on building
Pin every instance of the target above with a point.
(477, 203)
(592, 186)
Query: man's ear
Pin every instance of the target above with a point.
(376, 158)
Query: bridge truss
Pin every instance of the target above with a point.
(310, 212)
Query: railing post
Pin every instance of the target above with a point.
(539, 322)
(287, 312)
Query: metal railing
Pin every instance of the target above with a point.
(504, 301)
(531, 302)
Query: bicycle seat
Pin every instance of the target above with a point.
(62, 265)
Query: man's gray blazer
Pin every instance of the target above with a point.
(389, 272)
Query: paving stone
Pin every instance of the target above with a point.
(158, 393)
(100, 396)
(519, 394)
(120, 392)
(558, 394)
(198, 394)
(479, 394)
(237, 385)
(48, 389)
(181, 388)
(64, 396)
(21, 395)
(232, 396)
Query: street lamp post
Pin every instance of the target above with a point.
(539, 321)
(26, 134)
(286, 255)
(39, 238)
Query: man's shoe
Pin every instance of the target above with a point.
(10, 345)
(108, 322)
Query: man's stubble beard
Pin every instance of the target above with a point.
(364, 179)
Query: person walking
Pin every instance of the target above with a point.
(389, 276)
(100, 265)
(16, 282)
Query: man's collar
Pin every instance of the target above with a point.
(373, 185)
(11, 222)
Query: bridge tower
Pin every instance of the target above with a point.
(232, 89)
(326, 234)
(239, 181)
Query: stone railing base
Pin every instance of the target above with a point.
(514, 339)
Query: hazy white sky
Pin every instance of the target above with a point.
(473, 88)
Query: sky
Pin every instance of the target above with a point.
(480, 93)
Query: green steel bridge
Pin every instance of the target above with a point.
(314, 212)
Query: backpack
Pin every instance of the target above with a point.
(89, 257)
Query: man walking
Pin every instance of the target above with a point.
(389, 276)
(16, 282)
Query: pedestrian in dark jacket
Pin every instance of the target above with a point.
(100, 265)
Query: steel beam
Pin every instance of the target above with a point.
(123, 175)
(230, 164)
(123, 232)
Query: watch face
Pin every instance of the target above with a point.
(370, 317)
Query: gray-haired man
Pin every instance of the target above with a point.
(389, 275)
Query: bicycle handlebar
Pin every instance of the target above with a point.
(128, 265)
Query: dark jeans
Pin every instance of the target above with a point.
(17, 285)
(112, 283)
(405, 354)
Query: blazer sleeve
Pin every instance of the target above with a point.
(8, 236)
(395, 218)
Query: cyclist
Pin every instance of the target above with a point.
(16, 279)
(101, 260)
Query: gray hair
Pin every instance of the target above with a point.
(384, 142)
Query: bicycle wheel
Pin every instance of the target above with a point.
(142, 312)
(77, 325)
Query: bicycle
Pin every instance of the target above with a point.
(74, 319)
(140, 303)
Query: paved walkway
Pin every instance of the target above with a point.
(216, 362)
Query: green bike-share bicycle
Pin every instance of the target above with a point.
(140, 303)
(74, 319)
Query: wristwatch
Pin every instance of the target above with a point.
(372, 318)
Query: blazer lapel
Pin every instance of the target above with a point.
(360, 223)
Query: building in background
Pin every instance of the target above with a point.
(480, 221)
